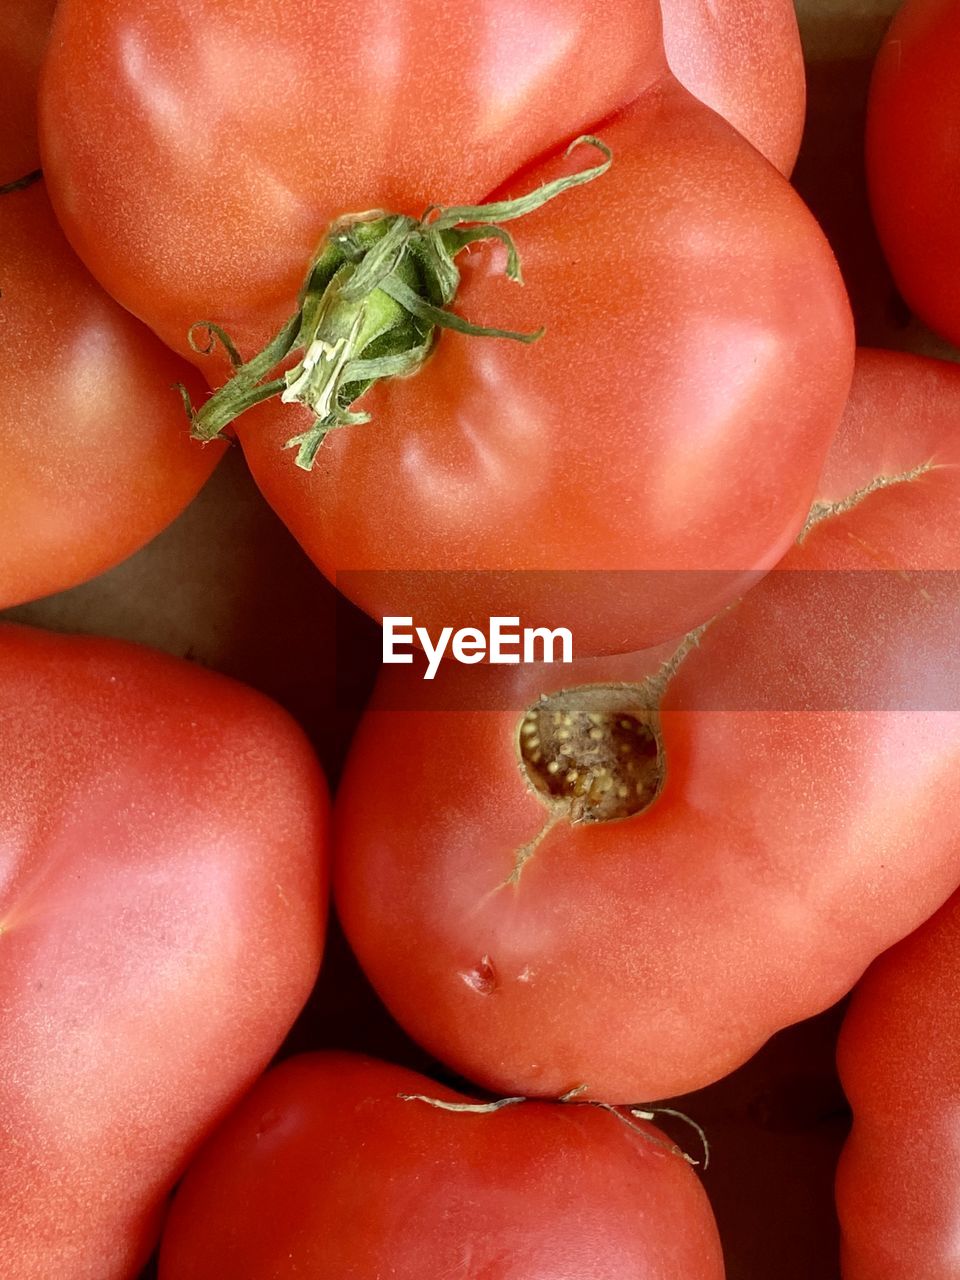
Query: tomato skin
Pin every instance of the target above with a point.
(164, 834)
(236, 139)
(95, 452)
(745, 61)
(688, 362)
(807, 819)
(899, 1059)
(913, 158)
(324, 1171)
(506, 87)
(23, 32)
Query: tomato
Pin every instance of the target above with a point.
(899, 1057)
(164, 842)
(745, 61)
(913, 160)
(628, 873)
(23, 32)
(327, 1170)
(698, 343)
(94, 456)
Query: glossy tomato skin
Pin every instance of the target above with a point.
(233, 140)
(806, 821)
(23, 32)
(899, 1059)
(164, 833)
(913, 158)
(506, 86)
(324, 1170)
(697, 328)
(95, 449)
(745, 61)
(95, 454)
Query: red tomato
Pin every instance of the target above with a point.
(326, 1171)
(790, 807)
(899, 1057)
(164, 834)
(94, 456)
(913, 158)
(743, 58)
(698, 346)
(23, 32)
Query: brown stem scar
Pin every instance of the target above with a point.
(821, 511)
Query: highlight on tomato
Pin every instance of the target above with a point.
(94, 456)
(899, 1058)
(913, 161)
(696, 348)
(745, 61)
(343, 1168)
(623, 876)
(165, 855)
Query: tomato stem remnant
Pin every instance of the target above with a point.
(584, 749)
(471, 1108)
(625, 1114)
(374, 299)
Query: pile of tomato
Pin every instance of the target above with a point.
(510, 309)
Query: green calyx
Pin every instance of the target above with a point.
(375, 297)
